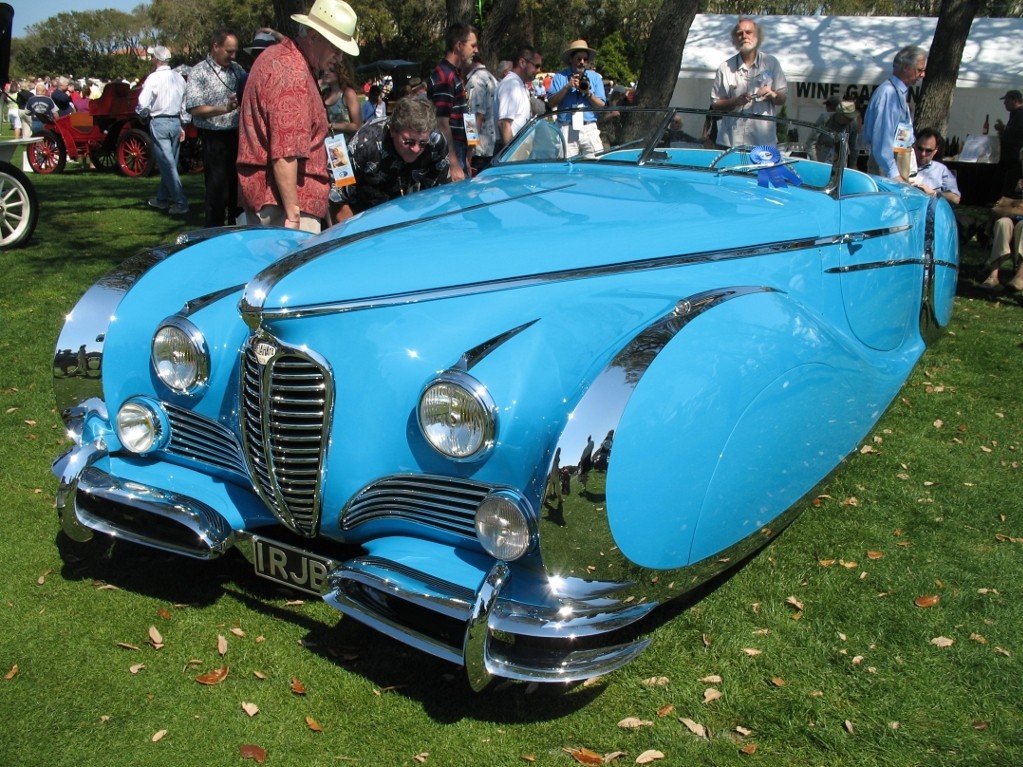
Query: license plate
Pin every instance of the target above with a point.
(291, 567)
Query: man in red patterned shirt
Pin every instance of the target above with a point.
(446, 90)
(282, 162)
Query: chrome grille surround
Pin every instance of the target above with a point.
(445, 503)
(286, 401)
(202, 439)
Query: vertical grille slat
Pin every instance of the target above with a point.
(286, 405)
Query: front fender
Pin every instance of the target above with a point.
(724, 414)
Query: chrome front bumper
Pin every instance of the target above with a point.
(497, 633)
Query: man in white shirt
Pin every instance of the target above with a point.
(932, 176)
(162, 101)
(749, 83)
(512, 102)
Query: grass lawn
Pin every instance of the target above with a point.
(814, 654)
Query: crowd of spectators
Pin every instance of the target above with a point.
(269, 142)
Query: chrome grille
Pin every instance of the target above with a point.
(285, 412)
(446, 503)
(203, 439)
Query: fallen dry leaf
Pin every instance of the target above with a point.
(778, 681)
(126, 646)
(158, 735)
(237, 632)
(712, 679)
(12, 673)
(155, 638)
(1002, 537)
(711, 694)
(649, 756)
(980, 725)
(749, 749)
(216, 676)
(794, 602)
(634, 723)
(942, 642)
(1003, 651)
(42, 578)
(136, 668)
(255, 753)
(694, 727)
(528, 758)
(584, 755)
(666, 709)
(927, 601)
(296, 686)
(250, 708)
(259, 675)
(875, 555)
(743, 731)
(978, 638)
(421, 758)
(751, 651)
(221, 645)
(826, 562)
(656, 681)
(315, 726)
(164, 613)
(848, 726)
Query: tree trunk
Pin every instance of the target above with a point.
(946, 53)
(460, 11)
(663, 56)
(283, 10)
(493, 42)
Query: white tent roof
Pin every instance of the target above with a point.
(857, 49)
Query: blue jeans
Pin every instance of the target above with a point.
(165, 132)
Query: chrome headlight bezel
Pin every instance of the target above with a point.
(148, 425)
(477, 405)
(505, 525)
(190, 378)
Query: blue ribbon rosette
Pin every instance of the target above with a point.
(771, 169)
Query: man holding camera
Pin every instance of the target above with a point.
(575, 91)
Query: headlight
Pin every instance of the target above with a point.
(503, 526)
(180, 358)
(456, 415)
(141, 426)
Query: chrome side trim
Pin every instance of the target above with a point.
(259, 287)
(474, 356)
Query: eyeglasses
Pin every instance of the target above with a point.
(581, 59)
(926, 150)
(412, 143)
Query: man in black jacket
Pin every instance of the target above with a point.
(1011, 139)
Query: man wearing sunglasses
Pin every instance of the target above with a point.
(575, 91)
(512, 100)
(393, 157)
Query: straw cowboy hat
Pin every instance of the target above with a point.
(577, 45)
(335, 20)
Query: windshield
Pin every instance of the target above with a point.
(806, 154)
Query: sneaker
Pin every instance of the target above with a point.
(157, 204)
(178, 210)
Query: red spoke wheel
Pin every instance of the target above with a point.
(135, 153)
(48, 155)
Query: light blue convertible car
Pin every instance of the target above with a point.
(504, 420)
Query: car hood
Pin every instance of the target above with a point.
(513, 224)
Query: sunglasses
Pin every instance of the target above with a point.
(412, 143)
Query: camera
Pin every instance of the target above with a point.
(584, 81)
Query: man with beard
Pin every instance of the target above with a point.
(750, 83)
(575, 91)
(212, 94)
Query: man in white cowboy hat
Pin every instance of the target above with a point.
(575, 92)
(282, 161)
(749, 83)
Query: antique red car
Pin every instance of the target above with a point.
(111, 134)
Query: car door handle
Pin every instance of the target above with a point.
(848, 239)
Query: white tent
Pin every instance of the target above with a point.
(849, 56)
